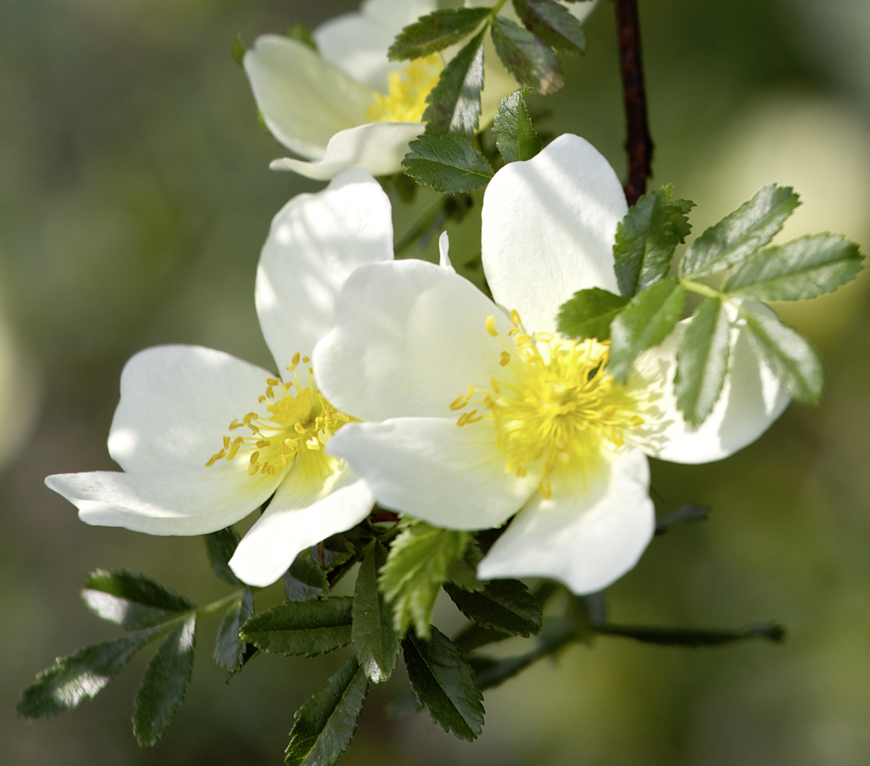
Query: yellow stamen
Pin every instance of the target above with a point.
(405, 100)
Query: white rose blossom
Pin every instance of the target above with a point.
(476, 411)
(204, 438)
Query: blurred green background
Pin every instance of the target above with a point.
(134, 198)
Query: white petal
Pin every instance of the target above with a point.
(548, 228)
(581, 10)
(751, 400)
(314, 244)
(304, 99)
(410, 338)
(394, 15)
(297, 518)
(444, 252)
(587, 535)
(433, 470)
(192, 502)
(358, 46)
(177, 403)
(378, 147)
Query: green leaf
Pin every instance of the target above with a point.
(238, 49)
(333, 552)
(553, 23)
(503, 605)
(83, 675)
(301, 628)
(415, 570)
(132, 600)
(590, 313)
(221, 546)
(803, 268)
(435, 32)
(646, 321)
(449, 164)
(741, 233)
(454, 103)
(377, 644)
(646, 239)
(164, 684)
(533, 64)
(515, 135)
(305, 579)
(443, 683)
(702, 361)
(229, 648)
(789, 355)
(301, 33)
(463, 571)
(690, 637)
(324, 726)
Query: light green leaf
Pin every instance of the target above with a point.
(301, 628)
(375, 640)
(229, 649)
(238, 49)
(435, 32)
(503, 605)
(552, 23)
(463, 571)
(515, 135)
(302, 34)
(533, 64)
(221, 546)
(454, 103)
(590, 313)
(449, 164)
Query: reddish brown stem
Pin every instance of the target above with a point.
(379, 515)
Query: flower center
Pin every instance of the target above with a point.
(295, 422)
(405, 100)
(556, 407)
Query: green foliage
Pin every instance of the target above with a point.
(375, 640)
(515, 135)
(530, 61)
(229, 650)
(132, 600)
(448, 164)
(301, 628)
(503, 605)
(443, 683)
(691, 638)
(463, 571)
(552, 23)
(302, 34)
(436, 32)
(220, 547)
(305, 579)
(324, 726)
(454, 103)
(238, 49)
(590, 313)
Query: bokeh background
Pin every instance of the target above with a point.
(134, 198)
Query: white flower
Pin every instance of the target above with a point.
(204, 438)
(486, 411)
(346, 105)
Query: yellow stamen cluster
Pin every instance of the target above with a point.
(304, 421)
(405, 100)
(555, 406)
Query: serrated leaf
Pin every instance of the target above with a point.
(552, 23)
(589, 313)
(301, 628)
(646, 239)
(375, 640)
(533, 64)
(435, 32)
(790, 357)
(302, 34)
(83, 675)
(324, 726)
(804, 268)
(503, 605)
(646, 321)
(443, 683)
(333, 552)
(220, 547)
(448, 164)
(515, 135)
(229, 648)
(164, 684)
(463, 571)
(132, 600)
(740, 233)
(305, 579)
(454, 103)
(702, 361)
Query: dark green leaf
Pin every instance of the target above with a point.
(804, 268)
(132, 600)
(791, 358)
(702, 361)
(305, 579)
(689, 637)
(229, 649)
(301, 33)
(324, 726)
(333, 552)
(435, 32)
(449, 164)
(646, 321)
(741, 233)
(301, 628)
(646, 239)
(590, 313)
(377, 644)
(238, 49)
(533, 64)
(503, 605)
(454, 103)
(164, 684)
(515, 135)
(443, 683)
(553, 23)
(463, 571)
(221, 546)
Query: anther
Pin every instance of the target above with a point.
(490, 326)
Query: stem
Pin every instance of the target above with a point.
(638, 142)
(497, 7)
(216, 606)
(697, 287)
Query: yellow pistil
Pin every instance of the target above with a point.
(295, 423)
(556, 407)
(405, 100)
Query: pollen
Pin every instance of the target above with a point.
(405, 100)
